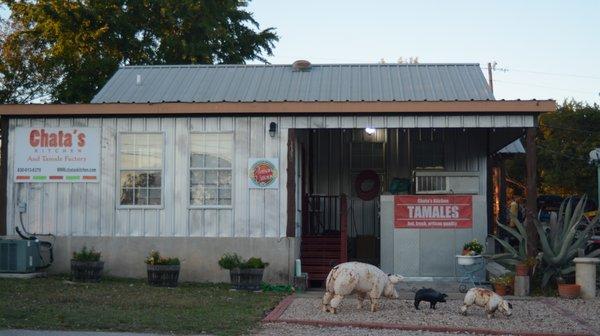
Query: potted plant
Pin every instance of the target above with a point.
(86, 265)
(567, 291)
(245, 275)
(471, 251)
(502, 284)
(162, 271)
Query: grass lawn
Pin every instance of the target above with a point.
(130, 305)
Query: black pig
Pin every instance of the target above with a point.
(429, 295)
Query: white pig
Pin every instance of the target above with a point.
(488, 299)
(362, 279)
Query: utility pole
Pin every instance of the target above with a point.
(491, 82)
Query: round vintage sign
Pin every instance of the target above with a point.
(263, 173)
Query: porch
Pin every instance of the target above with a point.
(342, 174)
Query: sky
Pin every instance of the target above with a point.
(543, 49)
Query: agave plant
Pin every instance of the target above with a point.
(563, 238)
(512, 256)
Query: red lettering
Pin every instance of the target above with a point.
(81, 140)
(33, 138)
(68, 140)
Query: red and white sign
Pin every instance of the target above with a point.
(57, 154)
(433, 211)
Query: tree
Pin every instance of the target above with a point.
(565, 138)
(66, 50)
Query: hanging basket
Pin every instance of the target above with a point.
(163, 275)
(246, 279)
(86, 271)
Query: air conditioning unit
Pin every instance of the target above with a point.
(19, 256)
(443, 182)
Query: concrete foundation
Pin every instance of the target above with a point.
(585, 276)
(124, 256)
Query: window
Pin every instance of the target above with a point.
(211, 156)
(140, 170)
(429, 150)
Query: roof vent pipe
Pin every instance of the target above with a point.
(301, 65)
(138, 79)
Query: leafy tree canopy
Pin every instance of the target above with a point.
(65, 50)
(564, 140)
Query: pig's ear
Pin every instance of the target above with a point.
(395, 278)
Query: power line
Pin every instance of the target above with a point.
(544, 73)
(543, 86)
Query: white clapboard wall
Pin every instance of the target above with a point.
(90, 209)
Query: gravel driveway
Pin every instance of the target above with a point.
(528, 315)
(286, 329)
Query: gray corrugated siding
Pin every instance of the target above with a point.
(280, 83)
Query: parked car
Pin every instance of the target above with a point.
(551, 203)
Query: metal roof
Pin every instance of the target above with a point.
(515, 147)
(282, 83)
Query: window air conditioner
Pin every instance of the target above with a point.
(443, 182)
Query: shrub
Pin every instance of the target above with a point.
(155, 259)
(87, 255)
(230, 261)
(504, 280)
(254, 263)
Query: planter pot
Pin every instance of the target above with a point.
(522, 269)
(501, 290)
(568, 291)
(86, 271)
(246, 279)
(467, 259)
(163, 275)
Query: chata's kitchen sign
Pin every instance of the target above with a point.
(57, 154)
(433, 212)
(263, 173)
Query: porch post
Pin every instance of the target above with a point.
(291, 184)
(531, 212)
(3, 174)
(343, 229)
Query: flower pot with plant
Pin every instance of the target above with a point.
(86, 265)
(162, 271)
(471, 251)
(568, 291)
(502, 284)
(246, 275)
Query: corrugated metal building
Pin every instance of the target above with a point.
(179, 146)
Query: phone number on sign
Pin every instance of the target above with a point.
(29, 170)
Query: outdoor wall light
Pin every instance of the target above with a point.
(272, 129)
(370, 130)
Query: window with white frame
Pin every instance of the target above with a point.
(211, 157)
(140, 169)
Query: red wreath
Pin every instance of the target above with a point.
(364, 176)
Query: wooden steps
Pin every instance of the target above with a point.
(319, 254)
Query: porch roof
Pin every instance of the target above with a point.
(423, 109)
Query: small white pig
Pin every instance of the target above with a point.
(488, 299)
(360, 278)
